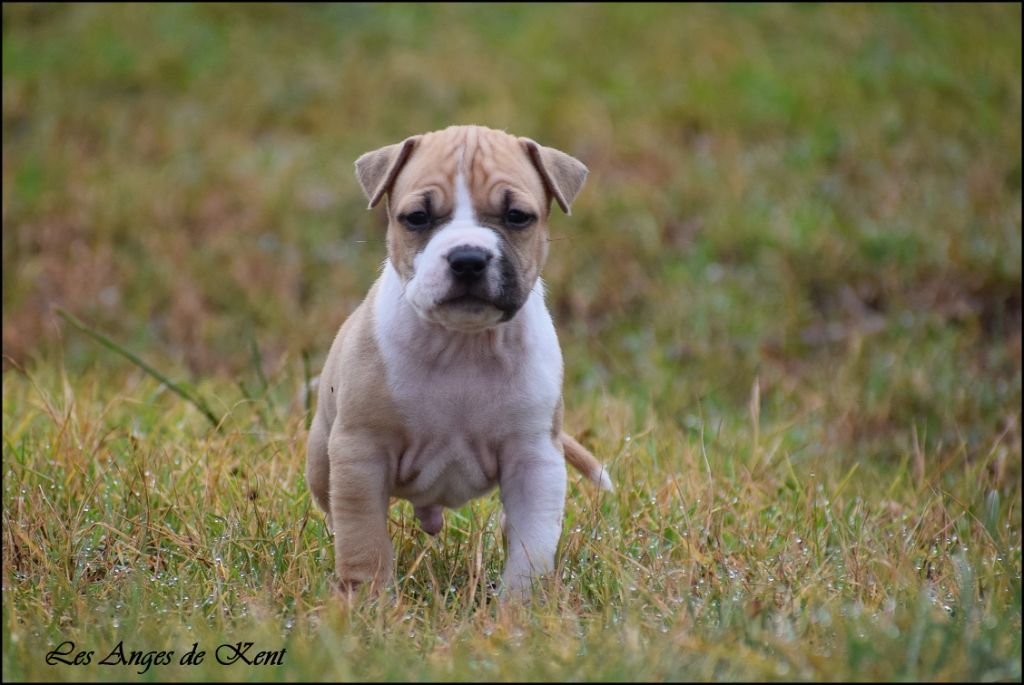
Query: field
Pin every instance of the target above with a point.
(789, 299)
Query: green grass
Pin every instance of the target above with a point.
(789, 298)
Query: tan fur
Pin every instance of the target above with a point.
(580, 458)
(348, 475)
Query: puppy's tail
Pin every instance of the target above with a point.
(585, 462)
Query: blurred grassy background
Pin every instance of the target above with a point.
(821, 203)
(768, 183)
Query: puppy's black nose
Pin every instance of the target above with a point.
(468, 263)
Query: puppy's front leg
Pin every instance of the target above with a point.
(533, 497)
(359, 510)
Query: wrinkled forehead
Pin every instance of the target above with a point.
(490, 162)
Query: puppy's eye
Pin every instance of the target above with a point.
(516, 218)
(416, 221)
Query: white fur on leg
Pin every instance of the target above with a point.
(533, 497)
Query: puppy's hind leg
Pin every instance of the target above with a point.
(318, 465)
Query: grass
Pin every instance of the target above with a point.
(789, 298)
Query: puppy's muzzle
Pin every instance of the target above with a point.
(468, 264)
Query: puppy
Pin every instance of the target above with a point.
(447, 380)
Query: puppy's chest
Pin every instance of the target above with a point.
(461, 420)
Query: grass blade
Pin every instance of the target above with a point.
(111, 345)
(257, 362)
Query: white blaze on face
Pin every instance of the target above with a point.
(463, 202)
(432, 280)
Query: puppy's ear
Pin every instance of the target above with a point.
(563, 175)
(378, 170)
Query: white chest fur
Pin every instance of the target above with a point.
(471, 402)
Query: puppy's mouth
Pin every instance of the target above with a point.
(466, 301)
(469, 310)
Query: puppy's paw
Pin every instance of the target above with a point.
(350, 590)
(347, 589)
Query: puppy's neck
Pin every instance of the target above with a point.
(402, 330)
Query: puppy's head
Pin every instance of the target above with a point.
(467, 218)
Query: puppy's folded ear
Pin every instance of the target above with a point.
(563, 175)
(378, 170)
